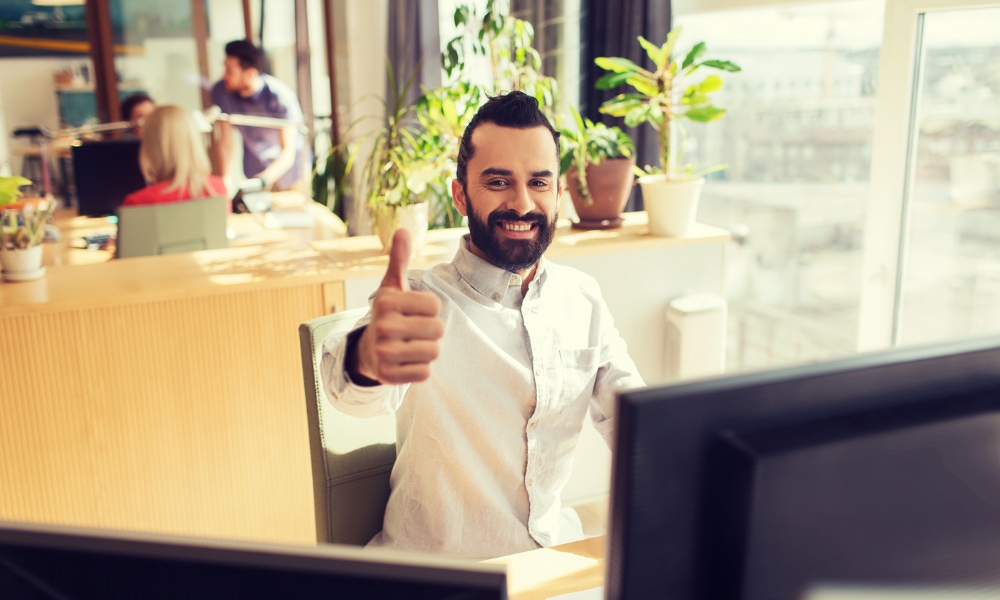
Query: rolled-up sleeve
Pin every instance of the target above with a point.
(347, 396)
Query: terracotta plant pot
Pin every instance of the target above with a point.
(412, 217)
(610, 184)
(670, 205)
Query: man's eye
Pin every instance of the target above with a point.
(497, 182)
(540, 183)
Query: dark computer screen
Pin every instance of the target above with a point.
(46, 562)
(105, 172)
(877, 470)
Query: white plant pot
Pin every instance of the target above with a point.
(22, 265)
(412, 217)
(670, 205)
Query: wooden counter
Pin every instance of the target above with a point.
(165, 393)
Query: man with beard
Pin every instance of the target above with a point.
(490, 362)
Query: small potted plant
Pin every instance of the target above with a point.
(397, 172)
(22, 225)
(670, 191)
(598, 161)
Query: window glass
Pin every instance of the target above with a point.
(797, 140)
(951, 269)
(155, 51)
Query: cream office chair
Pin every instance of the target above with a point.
(351, 458)
(171, 228)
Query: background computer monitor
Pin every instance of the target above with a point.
(881, 469)
(105, 172)
(49, 562)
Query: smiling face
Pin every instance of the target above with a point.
(511, 195)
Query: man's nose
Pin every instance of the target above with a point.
(521, 200)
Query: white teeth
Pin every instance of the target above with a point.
(517, 226)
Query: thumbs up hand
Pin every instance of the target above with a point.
(402, 338)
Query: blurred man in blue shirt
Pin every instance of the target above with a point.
(274, 155)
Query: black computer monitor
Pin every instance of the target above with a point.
(47, 562)
(105, 172)
(876, 470)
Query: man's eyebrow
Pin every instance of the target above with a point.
(494, 171)
(542, 174)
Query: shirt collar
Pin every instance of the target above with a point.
(485, 277)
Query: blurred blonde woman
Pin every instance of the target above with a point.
(173, 160)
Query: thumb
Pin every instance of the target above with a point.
(399, 261)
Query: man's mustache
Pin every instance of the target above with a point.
(512, 216)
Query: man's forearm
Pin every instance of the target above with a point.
(279, 167)
(223, 150)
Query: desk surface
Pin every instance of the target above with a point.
(548, 572)
(70, 284)
(363, 255)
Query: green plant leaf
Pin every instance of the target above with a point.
(565, 162)
(579, 123)
(617, 64)
(621, 104)
(645, 85)
(612, 80)
(723, 65)
(636, 116)
(654, 52)
(694, 54)
(704, 114)
(668, 46)
(709, 85)
(694, 99)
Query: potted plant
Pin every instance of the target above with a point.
(598, 161)
(397, 172)
(22, 225)
(670, 191)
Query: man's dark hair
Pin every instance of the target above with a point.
(513, 109)
(129, 104)
(250, 56)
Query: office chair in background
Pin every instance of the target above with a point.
(171, 228)
(351, 458)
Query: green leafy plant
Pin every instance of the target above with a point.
(330, 181)
(663, 98)
(507, 42)
(398, 168)
(443, 114)
(10, 188)
(22, 225)
(592, 143)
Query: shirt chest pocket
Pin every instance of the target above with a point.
(578, 369)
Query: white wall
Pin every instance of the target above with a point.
(27, 95)
(367, 24)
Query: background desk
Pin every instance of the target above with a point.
(165, 393)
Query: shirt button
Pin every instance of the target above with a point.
(530, 481)
(496, 297)
(513, 279)
(538, 372)
(532, 426)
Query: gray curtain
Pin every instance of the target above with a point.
(610, 28)
(414, 43)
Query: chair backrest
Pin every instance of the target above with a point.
(171, 228)
(351, 458)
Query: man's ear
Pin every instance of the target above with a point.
(458, 195)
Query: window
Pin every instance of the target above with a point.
(796, 186)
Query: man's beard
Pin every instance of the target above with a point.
(510, 254)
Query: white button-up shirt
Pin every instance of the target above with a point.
(485, 445)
